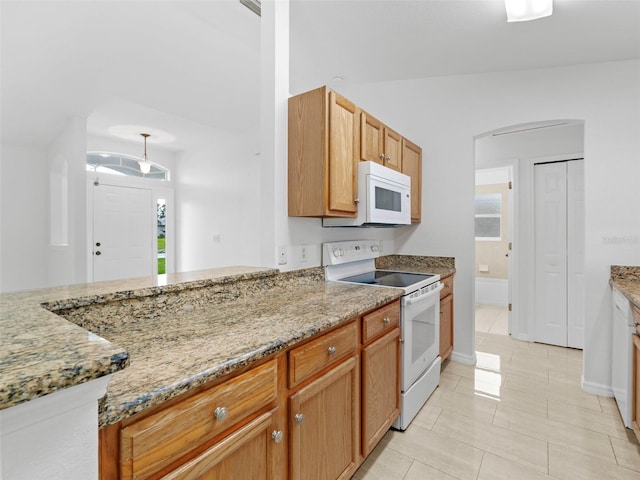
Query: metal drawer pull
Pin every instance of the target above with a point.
(220, 413)
(386, 320)
(277, 436)
(299, 418)
(332, 350)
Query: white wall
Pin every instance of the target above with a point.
(32, 256)
(24, 215)
(67, 262)
(444, 114)
(217, 193)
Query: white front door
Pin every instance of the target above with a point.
(550, 219)
(123, 232)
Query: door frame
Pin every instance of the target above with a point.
(158, 189)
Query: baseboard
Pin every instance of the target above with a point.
(596, 388)
(462, 358)
(492, 291)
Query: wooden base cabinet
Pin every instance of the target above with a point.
(380, 388)
(446, 317)
(247, 453)
(324, 423)
(312, 412)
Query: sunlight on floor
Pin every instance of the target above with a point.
(518, 414)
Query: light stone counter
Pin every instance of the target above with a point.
(175, 337)
(41, 352)
(627, 280)
(443, 266)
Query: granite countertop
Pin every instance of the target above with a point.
(172, 337)
(443, 266)
(627, 280)
(41, 352)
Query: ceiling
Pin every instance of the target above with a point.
(192, 68)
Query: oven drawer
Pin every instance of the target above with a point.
(381, 320)
(312, 357)
(447, 286)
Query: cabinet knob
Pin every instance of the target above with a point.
(386, 320)
(299, 418)
(332, 350)
(388, 159)
(220, 413)
(277, 436)
(381, 156)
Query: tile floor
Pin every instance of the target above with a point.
(518, 414)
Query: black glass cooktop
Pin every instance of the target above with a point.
(388, 278)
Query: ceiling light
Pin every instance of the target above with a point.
(524, 10)
(145, 164)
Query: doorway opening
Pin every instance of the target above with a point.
(520, 147)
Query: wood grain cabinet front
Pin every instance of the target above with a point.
(446, 317)
(312, 357)
(245, 454)
(158, 440)
(379, 143)
(381, 320)
(324, 421)
(322, 159)
(412, 166)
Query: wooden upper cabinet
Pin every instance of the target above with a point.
(412, 166)
(323, 128)
(371, 138)
(392, 149)
(379, 143)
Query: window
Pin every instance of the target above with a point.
(488, 216)
(122, 164)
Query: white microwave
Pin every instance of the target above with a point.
(384, 199)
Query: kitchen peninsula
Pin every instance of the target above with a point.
(172, 343)
(261, 311)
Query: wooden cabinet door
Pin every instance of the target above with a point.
(371, 139)
(324, 425)
(446, 326)
(247, 453)
(392, 149)
(412, 166)
(380, 388)
(342, 161)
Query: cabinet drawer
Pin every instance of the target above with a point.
(161, 438)
(383, 319)
(447, 288)
(312, 357)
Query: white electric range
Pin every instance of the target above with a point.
(354, 262)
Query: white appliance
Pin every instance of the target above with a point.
(354, 262)
(622, 332)
(383, 198)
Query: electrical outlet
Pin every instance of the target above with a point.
(282, 255)
(304, 254)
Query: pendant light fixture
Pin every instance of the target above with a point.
(145, 164)
(524, 10)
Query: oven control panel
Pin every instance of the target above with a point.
(337, 253)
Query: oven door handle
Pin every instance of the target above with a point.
(422, 298)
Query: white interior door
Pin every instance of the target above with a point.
(575, 254)
(123, 232)
(550, 220)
